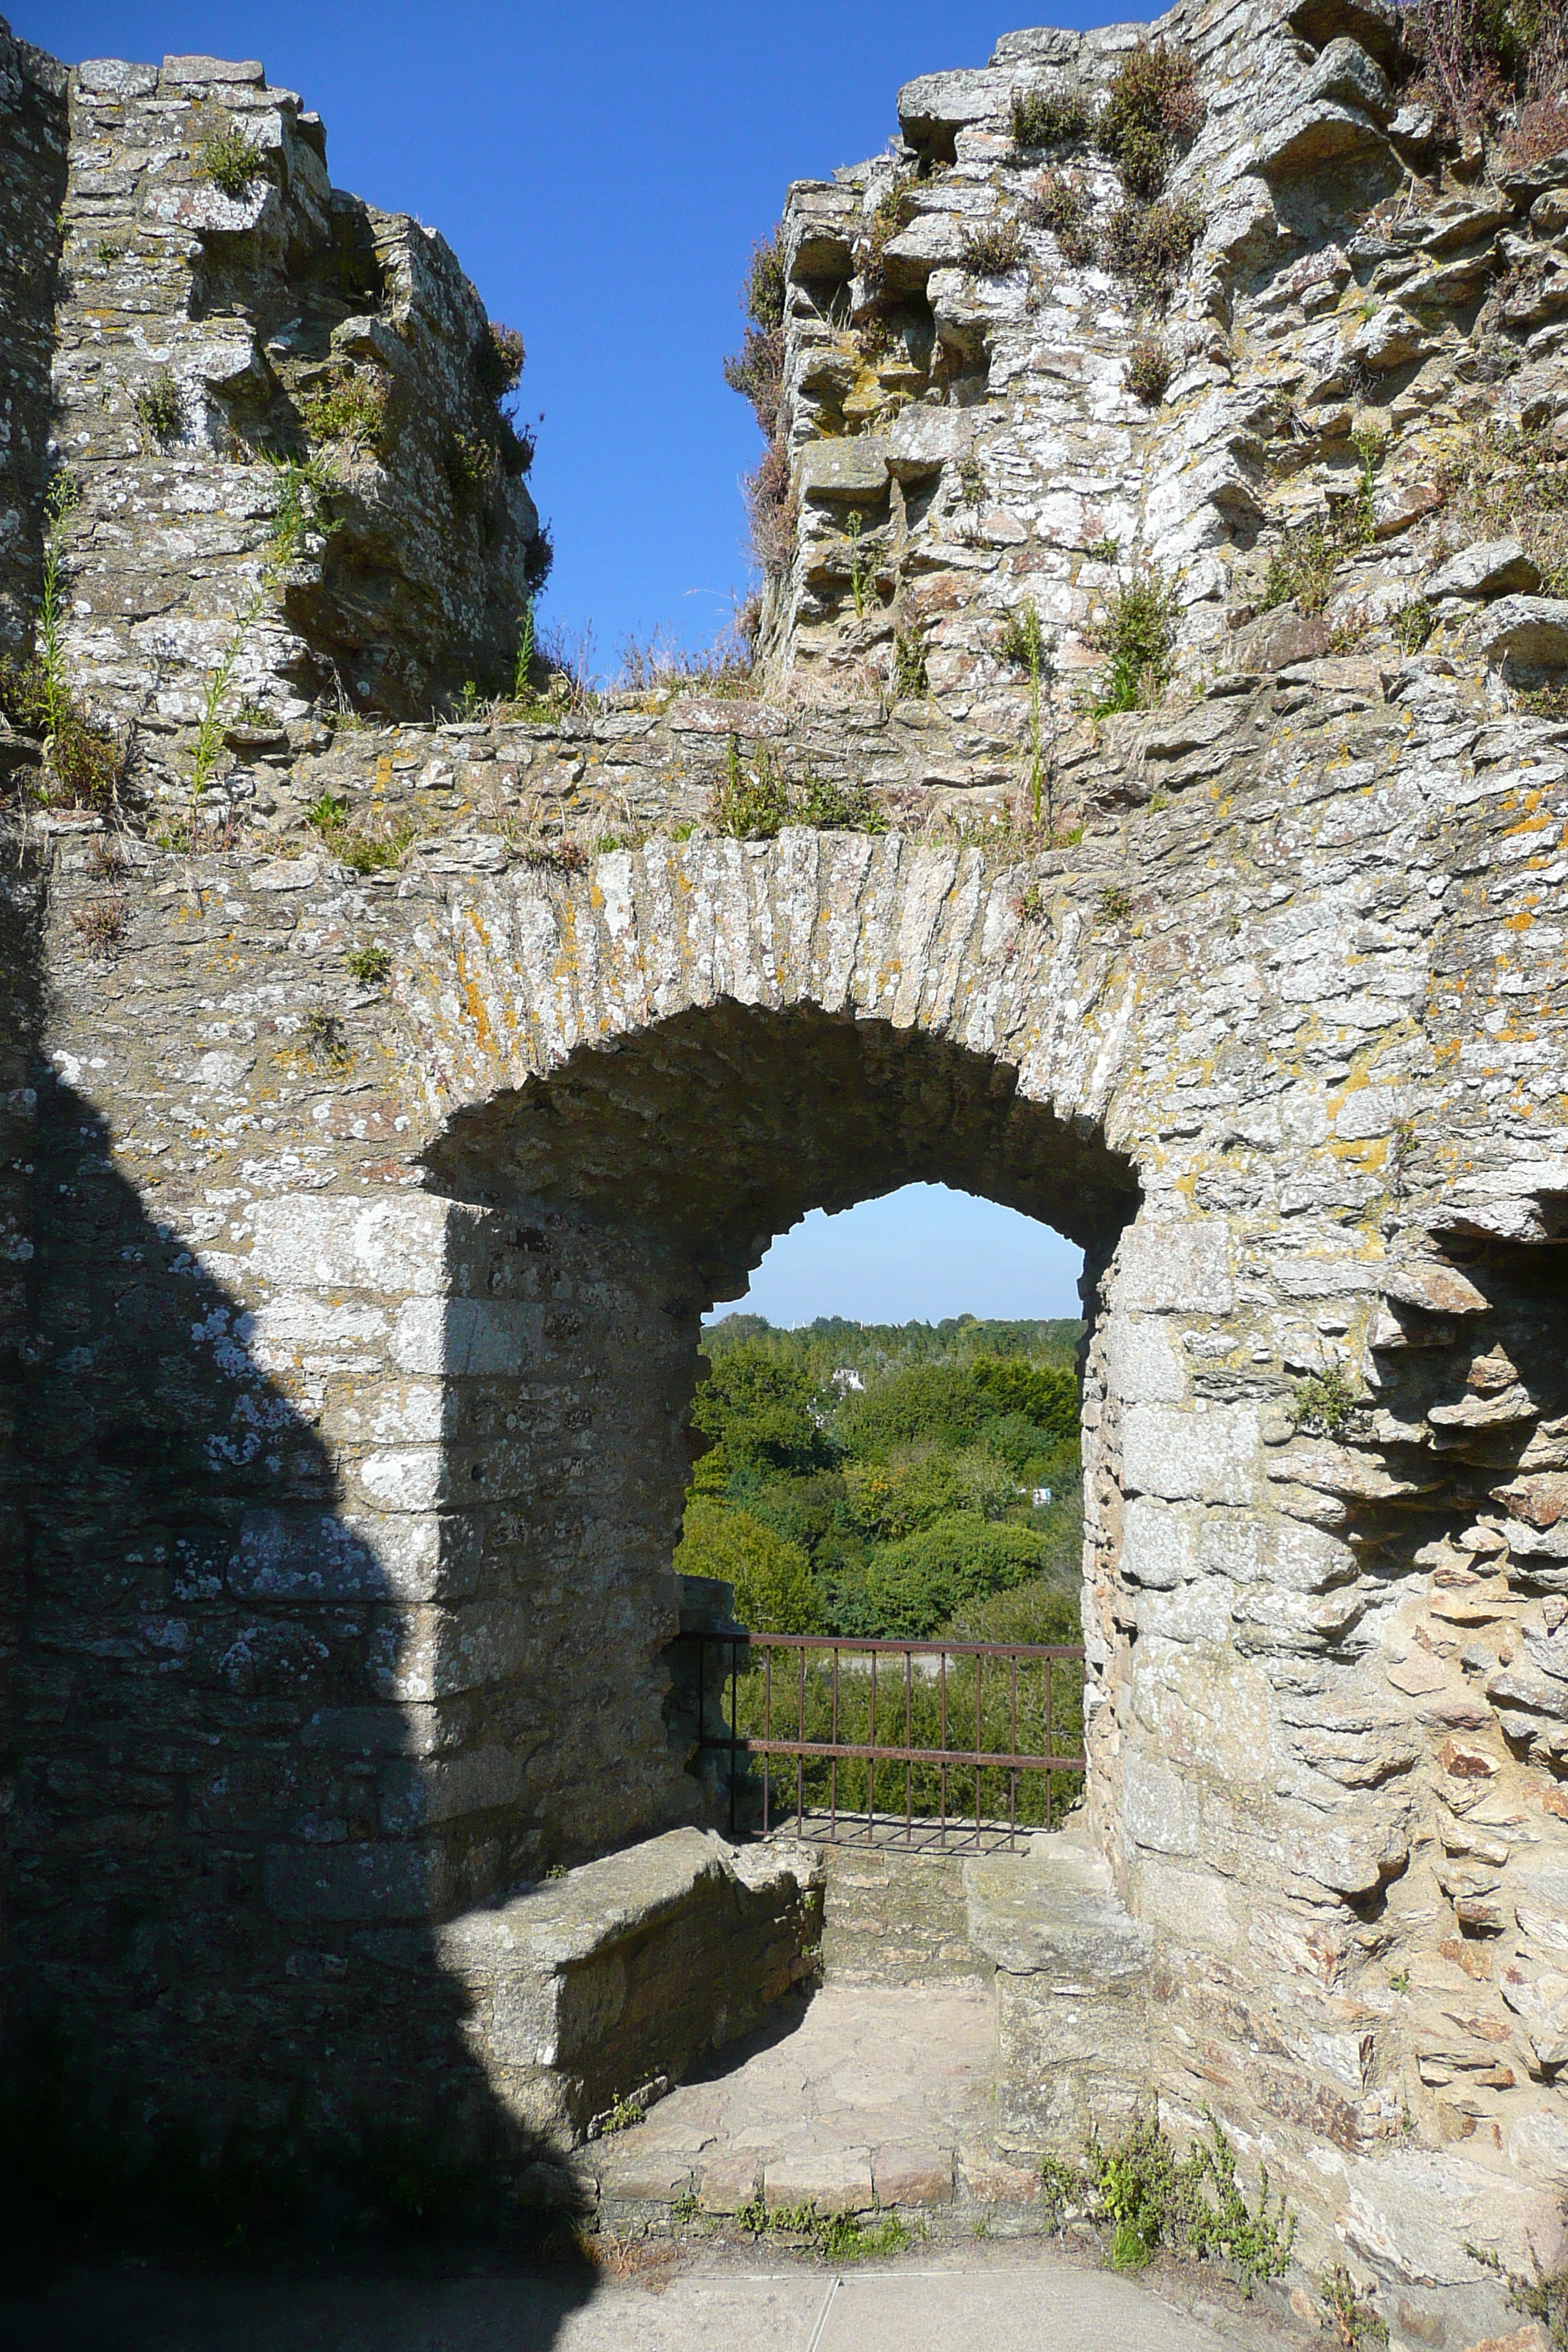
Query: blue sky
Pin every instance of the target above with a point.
(915, 1256)
(601, 171)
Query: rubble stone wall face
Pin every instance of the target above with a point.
(363, 1323)
(201, 338)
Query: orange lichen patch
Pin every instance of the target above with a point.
(473, 998)
(1519, 922)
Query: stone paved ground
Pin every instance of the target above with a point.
(862, 2095)
(979, 2299)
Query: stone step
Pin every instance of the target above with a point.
(1071, 1992)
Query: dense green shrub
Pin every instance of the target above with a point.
(915, 1585)
(763, 1412)
(907, 1499)
(756, 373)
(771, 1576)
(948, 1403)
(766, 285)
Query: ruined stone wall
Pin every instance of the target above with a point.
(970, 440)
(232, 355)
(33, 127)
(386, 1165)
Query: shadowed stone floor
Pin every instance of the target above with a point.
(860, 2096)
(978, 2299)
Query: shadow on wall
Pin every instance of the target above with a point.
(223, 1989)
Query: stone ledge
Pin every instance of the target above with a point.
(1052, 1911)
(608, 1983)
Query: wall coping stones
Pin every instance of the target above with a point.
(563, 1922)
(181, 73)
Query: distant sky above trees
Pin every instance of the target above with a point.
(916, 1254)
(601, 171)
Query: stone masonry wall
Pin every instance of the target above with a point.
(33, 112)
(365, 1296)
(285, 321)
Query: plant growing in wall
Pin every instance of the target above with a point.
(1060, 201)
(1150, 245)
(1024, 644)
(1324, 1405)
(160, 410)
(83, 760)
(909, 677)
(230, 160)
(756, 373)
(1138, 636)
(1150, 2196)
(1057, 116)
(991, 248)
(1151, 112)
(1350, 2318)
(291, 520)
(831, 807)
(859, 562)
(351, 408)
(1149, 368)
(751, 803)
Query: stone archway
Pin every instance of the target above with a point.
(643, 1179)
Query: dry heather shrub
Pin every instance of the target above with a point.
(991, 248)
(1060, 202)
(1149, 246)
(1151, 112)
(1483, 61)
(1149, 369)
(101, 925)
(756, 373)
(1057, 116)
(773, 511)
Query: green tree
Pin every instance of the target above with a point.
(771, 1576)
(916, 1585)
(765, 1414)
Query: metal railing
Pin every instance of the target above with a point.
(957, 1705)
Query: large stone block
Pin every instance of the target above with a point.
(316, 1242)
(593, 1987)
(1071, 1990)
(1202, 1456)
(1168, 1268)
